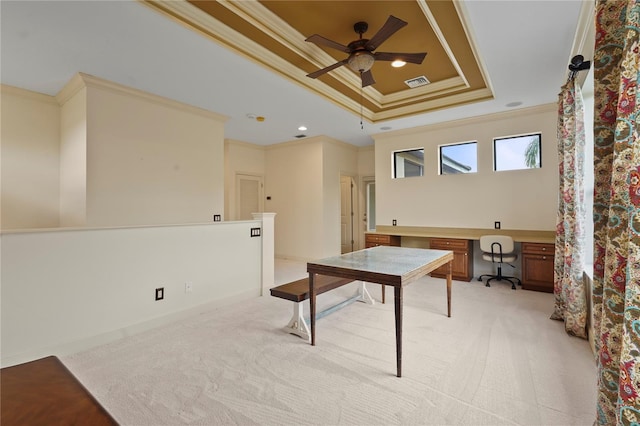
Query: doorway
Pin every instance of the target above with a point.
(249, 198)
(369, 218)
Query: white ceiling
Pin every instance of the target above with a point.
(525, 47)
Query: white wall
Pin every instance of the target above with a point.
(294, 183)
(65, 290)
(523, 199)
(339, 159)
(102, 154)
(29, 159)
(151, 161)
(73, 161)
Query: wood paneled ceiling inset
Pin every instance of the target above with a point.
(272, 33)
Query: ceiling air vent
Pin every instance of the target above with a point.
(417, 82)
(301, 136)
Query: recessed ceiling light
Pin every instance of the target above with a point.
(398, 63)
(513, 104)
(302, 128)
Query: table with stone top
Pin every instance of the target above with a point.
(393, 266)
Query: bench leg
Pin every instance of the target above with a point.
(298, 325)
(364, 295)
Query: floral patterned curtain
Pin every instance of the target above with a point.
(616, 293)
(568, 285)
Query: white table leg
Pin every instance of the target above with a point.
(298, 325)
(364, 295)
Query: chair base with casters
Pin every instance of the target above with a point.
(500, 277)
(499, 250)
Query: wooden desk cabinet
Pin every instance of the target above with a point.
(537, 266)
(374, 240)
(462, 265)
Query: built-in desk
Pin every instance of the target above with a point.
(537, 249)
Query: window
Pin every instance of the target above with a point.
(517, 152)
(408, 163)
(459, 158)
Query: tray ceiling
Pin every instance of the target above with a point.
(272, 33)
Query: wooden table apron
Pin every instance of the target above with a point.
(397, 280)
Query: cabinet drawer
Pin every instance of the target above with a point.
(538, 248)
(372, 240)
(449, 244)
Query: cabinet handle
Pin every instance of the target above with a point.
(544, 257)
(544, 248)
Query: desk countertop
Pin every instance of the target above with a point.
(518, 235)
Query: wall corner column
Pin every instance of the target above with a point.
(268, 250)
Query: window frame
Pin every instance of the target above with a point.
(394, 173)
(440, 172)
(523, 135)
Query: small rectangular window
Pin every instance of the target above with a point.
(408, 163)
(459, 158)
(517, 152)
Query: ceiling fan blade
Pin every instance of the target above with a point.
(413, 58)
(322, 41)
(367, 78)
(318, 73)
(392, 25)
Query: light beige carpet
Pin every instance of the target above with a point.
(498, 360)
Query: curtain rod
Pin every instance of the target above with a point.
(577, 64)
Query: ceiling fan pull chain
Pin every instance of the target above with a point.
(361, 125)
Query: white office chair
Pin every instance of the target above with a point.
(498, 249)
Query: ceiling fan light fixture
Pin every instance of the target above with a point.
(398, 63)
(361, 61)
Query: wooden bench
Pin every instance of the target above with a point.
(44, 392)
(298, 292)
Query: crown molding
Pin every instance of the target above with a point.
(82, 80)
(438, 88)
(244, 144)
(339, 143)
(441, 38)
(279, 30)
(311, 140)
(199, 21)
(305, 141)
(70, 89)
(28, 94)
(435, 104)
(253, 12)
(467, 27)
(365, 148)
(480, 119)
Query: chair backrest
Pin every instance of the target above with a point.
(503, 241)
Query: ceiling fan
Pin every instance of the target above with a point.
(361, 52)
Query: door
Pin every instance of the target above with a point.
(346, 213)
(248, 196)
